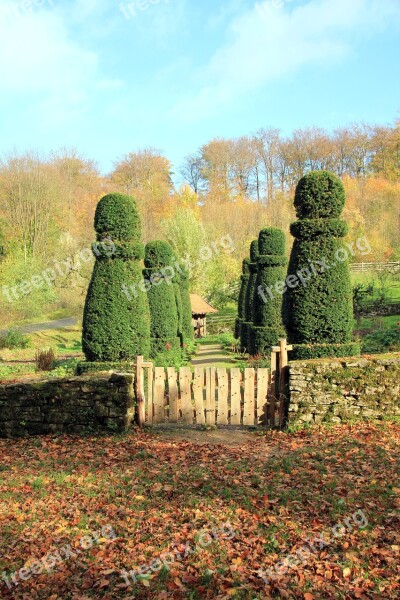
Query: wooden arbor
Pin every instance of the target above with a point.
(200, 310)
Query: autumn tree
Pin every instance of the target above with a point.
(146, 175)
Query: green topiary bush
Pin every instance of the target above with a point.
(318, 310)
(179, 306)
(116, 320)
(244, 282)
(268, 327)
(187, 324)
(247, 326)
(161, 295)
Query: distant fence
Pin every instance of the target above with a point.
(375, 266)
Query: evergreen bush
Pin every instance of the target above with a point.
(244, 281)
(187, 324)
(116, 324)
(268, 327)
(161, 295)
(318, 311)
(248, 323)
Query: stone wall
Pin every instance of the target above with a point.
(76, 405)
(340, 389)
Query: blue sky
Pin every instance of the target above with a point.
(109, 77)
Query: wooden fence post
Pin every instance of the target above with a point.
(139, 392)
(283, 378)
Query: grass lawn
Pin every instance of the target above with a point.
(223, 512)
(20, 363)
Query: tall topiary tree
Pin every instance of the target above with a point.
(161, 295)
(244, 282)
(267, 302)
(247, 325)
(187, 324)
(179, 305)
(318, 310)
(116, 325)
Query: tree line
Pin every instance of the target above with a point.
(228, 187)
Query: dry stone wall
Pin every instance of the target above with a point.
(76, 405)
(339, 390)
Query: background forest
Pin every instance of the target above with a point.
(229, 187)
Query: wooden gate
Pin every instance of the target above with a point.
(214, 396)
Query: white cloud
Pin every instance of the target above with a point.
(39, 61)
(273, 39)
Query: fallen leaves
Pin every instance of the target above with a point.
(276, 492)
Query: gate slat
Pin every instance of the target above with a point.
(159, 395)
(172, 394)
(249, 407)
(262, 396)
(185, 377)
(272, 388)
(222, 416)
(149, 396)
(235, 397)
(210, 396)
(198, 384)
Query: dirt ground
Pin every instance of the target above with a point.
(226, 437)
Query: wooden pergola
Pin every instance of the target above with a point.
(200, 310)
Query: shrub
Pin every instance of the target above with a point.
(172, 358)
(244, 281)
(318, 311)
(247, 326)
(385, 340)
(161, 296)
(246, 322)
(187, 324)
(268, 327)
(85, 367)
(45, 359)
(309, 351)
(179, 306)
(116, 321)
(14, 339)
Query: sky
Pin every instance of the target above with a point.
(110, 77)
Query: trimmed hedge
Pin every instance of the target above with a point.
(319, 310)
(244, 281)
(249, 300)
(307, 351)
(161, 297)
(116, 323)
(82, 368)
(319, 195)
(268, 327)
(187, 324)
(179, 306)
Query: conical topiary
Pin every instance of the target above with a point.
(187, 323)
(163, 311)
(116, 324)
(268, 327)
(244, 282)
(318, 310)
(249, 301)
